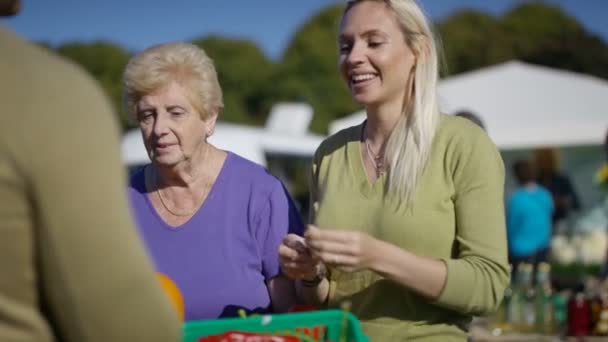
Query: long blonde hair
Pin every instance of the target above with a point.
(409, 145)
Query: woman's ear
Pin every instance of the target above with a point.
(210, 122)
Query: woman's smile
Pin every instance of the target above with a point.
(361, 81)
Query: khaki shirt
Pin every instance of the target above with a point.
(72, 267)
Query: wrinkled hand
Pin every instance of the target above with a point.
(296, 260)
(347, 251)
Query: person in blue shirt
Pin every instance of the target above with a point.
(565, 197)
(529, 218)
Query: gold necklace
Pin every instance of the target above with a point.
(160, 196)
(162, 201)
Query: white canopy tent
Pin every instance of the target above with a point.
(524, 105)
(285, 134)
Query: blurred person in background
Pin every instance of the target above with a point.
(529, 213)
(406, 208)
(72, 267)
(565, 199)
(471, 117)
(212, 220)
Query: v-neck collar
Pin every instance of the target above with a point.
(357, 165)
(210, 196)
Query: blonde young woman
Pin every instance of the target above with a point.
(212, 221)
(408, 220)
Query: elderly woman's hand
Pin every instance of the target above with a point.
(347, 251)
(296, 259)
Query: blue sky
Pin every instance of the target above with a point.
(136, 24)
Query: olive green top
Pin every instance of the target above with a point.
(72, 267)
(457, 216)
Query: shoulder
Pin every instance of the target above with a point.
(544, 191)
(47, 89)
(57, 103)
(263, 193)
(137, 181)
(516, 195)
(338, 141)
(453, 129)
(252, 175)
(457, 140)
(40, 64)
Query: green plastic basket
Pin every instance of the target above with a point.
(327, 325)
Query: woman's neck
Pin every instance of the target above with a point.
(381, 119)
(188, 172)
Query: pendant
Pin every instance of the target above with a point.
(379, 163)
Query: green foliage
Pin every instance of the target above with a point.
(471, 40)
(532, 32)
(243, 72)
(106, 62)
(545, 35)
(309, 69)
(533, 26)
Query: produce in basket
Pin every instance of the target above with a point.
(173, 292)
(237, 336)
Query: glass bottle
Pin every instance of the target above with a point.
(544, 312)
(520, 309)
(528, 309)
(578, 315)
(560, 311)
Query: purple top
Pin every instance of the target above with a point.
(221, 258)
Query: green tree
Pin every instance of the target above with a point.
(533, 26)
(472, 39)
(532, 32)
(243, 71)
(545, 35)
(309, 72)
(106, 62)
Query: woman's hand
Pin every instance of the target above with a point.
(347, 251)
(296, 260)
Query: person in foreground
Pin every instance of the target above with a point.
(72, 267)
(407, 208)
(211, 219)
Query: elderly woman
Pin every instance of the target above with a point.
(407, 207)
(212, 221)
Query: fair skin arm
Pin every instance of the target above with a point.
(297, 263)
(282, 294)
(314, 295)
(350, 251)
